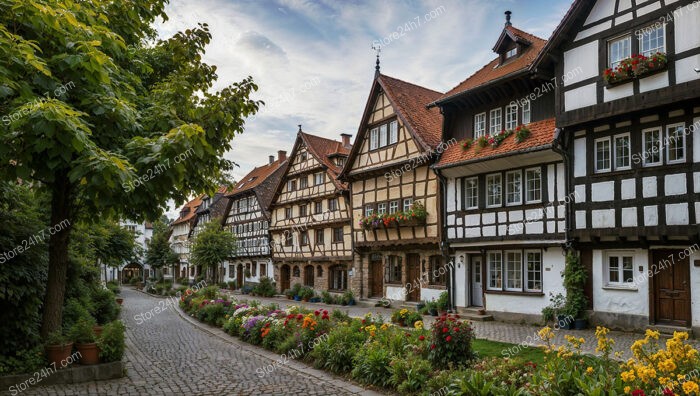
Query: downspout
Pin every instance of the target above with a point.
(560, 145)
(444, 245)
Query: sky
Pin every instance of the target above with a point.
(313, 60)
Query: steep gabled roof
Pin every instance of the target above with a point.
(261, 181)
(541, 137)
(323, 149)
(191, 210)
(494, 71)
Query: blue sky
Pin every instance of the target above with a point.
(314, 63)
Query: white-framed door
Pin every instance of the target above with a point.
(475, 283)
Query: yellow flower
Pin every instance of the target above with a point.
(546, 333)
(384, 326)
(627, 389)
(627, 376)
(589, 370)
(652, 334)
(418, 325)
(691, 388)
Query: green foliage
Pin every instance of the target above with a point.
(371, 366)
(73, 312)
(82, 332)
(442, 301)
(105, 306)
(113, 286)
(22, 361)
(555, 307)
(159, 253)
(574, 281)
(296, 289)
(409, 374)
(111, 342)
(57, 338)
(265, 288)
(450, 340)
(212, 245)
(336, 354)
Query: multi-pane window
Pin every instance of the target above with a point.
(652, 40)
(602, 155)
(374, 138)
(291, 185)
(495, 270)
(526, 112)
(407, 204)
(304, 236)
(381, 208)
(263, 270)
(513, 188)
(393, 132)
(675, 147)
(495, 121)
(493, 190)
(318, 234)
(338, 234)
(288, 213)
(333, 204)
(318, 207)
(620, 268)
(369, 209)
(622, 151)
(437, 271)
(319, 178)
(383, 138)
(514, 270)
(479, 125)
(652, 146)
(254, 268)
(393, 206)
(288, 238)
(533, 185)
(533, 271)
(231, 268)
(619, 49)
(511, 53)
(338, 278)
(394, 269)
(471, 193)
(303, 210)
(304, 182)
(511, 116)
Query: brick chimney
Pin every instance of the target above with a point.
(281, 155)
(346, 139)
(272, 158)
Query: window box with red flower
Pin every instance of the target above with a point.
(635, 67)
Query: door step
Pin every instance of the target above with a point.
(668, 330)
(472, 313)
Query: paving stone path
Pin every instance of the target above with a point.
(169, 355)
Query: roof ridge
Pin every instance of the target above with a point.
(410, 83)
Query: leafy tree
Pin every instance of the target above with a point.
(107, 120)
(159, 252)
(212, 246)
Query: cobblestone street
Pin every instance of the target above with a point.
(167, 355)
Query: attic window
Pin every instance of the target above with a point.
(511, 53)
(252, 178)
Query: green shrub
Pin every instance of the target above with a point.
(326, 297)
(371, 366)
(73, 311)
(82, 332)
(22, 361)
(209, 292)
(113, 286)
(290, 343)
(105, 307)
(265, 288)
(451, 342)
(111, 342)
(409, 374)
(442, 301)
(335, 355)
(340, 316)
(296, 289)
(133, 281)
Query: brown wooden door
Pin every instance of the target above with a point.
(671, 288)
(413, 277)
(376, 277)
(309, 276)
(239, 275)
(285, 278)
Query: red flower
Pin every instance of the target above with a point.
(363, 321)
(300, 317)
(445, 329)
(316, 313)
(668, 392)
(456, 329)
(421, 338)
(432, 346)
(638, 392)
(448, 338)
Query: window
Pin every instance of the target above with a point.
(393, 132)
(471, 193)
(602, 155)
(383, 138)
(304, 182)
(302, 155)
(620, 268)
(652, 147)
(533, 185)
(511, 116)
(333, 204)
(338, 278)
(437, 271)
(338, 235)
(303, 210)
(511, 53)
(319, 178)
(393, 206)
(381, 208)
(319, 271)
(407, 204)
(479, 125)
(493, 190)
(374, 138)
(675, 143)
(526, 112)
(340, 161)
(514, 271)
(495, 118)
(318, 207)
(369, 209)
(304, 236)
(263, 270)
(288, 238)
(296, 272)
(394, 269)
(652, 40)
(533, 273)
(288, 213)
(495, 275)
(291, 185)
(513, 188)
(622, 151)
(254, 268)
(319, 237)
(618, 50)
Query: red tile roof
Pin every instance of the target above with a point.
(254, 178)
(541, 137)
(411, 103)
(492, 71)
(192, 206)
(323, 149)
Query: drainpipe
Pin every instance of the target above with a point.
(560, 145)
(444, 245)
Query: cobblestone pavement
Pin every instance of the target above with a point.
(168, 355)
(494, 331)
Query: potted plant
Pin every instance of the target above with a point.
(84, 337)
(574, 281)
(111, 343)
(289, 294)
(349, 296)
(58, 348)
(442, 302)
(120, 300)
(432, 308)
(554, 311)
(307, 293)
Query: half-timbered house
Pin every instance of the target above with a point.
(211, 208)
(395, 194)
(633, 113)
(310, 217)
(505, 182)
(180, 237)
(248, 219)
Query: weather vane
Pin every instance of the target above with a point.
(378, 48)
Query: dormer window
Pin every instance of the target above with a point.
(511, 53)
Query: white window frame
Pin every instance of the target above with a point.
(479, 125)
(374, 138)
(369, 209)
(509, 185)
(628, 37)
(511, 116)
(319, 178)
(646, 33)
(393, 132)
(668, 143)
(511, 53)
(538, 191)
(407, 204)
(629, 151)
(381, 208)
(488, 190)
(383, 135)
(518, 267)
(492, 270)
(471, 193)
(620, 254)
(649, 150)
(595, 155)
(527, 112)
(393, 207)
(495, 121)
(526, 271)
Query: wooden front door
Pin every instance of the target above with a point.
(285, 277)
(239, 276)
(309, 276)
(413, 277)
(376, 270)
(671, 275)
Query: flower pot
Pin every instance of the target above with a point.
(289, 297)
(120, 301)
(297, 298)
(351, 302)
(306, 299)
(433, 312)
(580, 324)
(89, 353)
(563, 322)
(402, 322)
(97, 330)
(481, 312)
(55, 354)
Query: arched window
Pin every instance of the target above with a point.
(319, 271)
(296, 271)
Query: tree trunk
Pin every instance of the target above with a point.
(58, 255)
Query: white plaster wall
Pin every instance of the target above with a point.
(561, 184)
(629, 217)
(396, 293)
(685, 69)
(651, 215)
(603, 218)
(651, 83)
(618, 92)
(451, 190)
(628, 301)
(696, 138)
(427, 294)
(580, 97)
(648, 8)
(581, 63)
(628, 189)
(593, 30)
(603, 191)
(580, 157)
(675, 184)
(601, 9)
(687, 25)
(677, 214)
